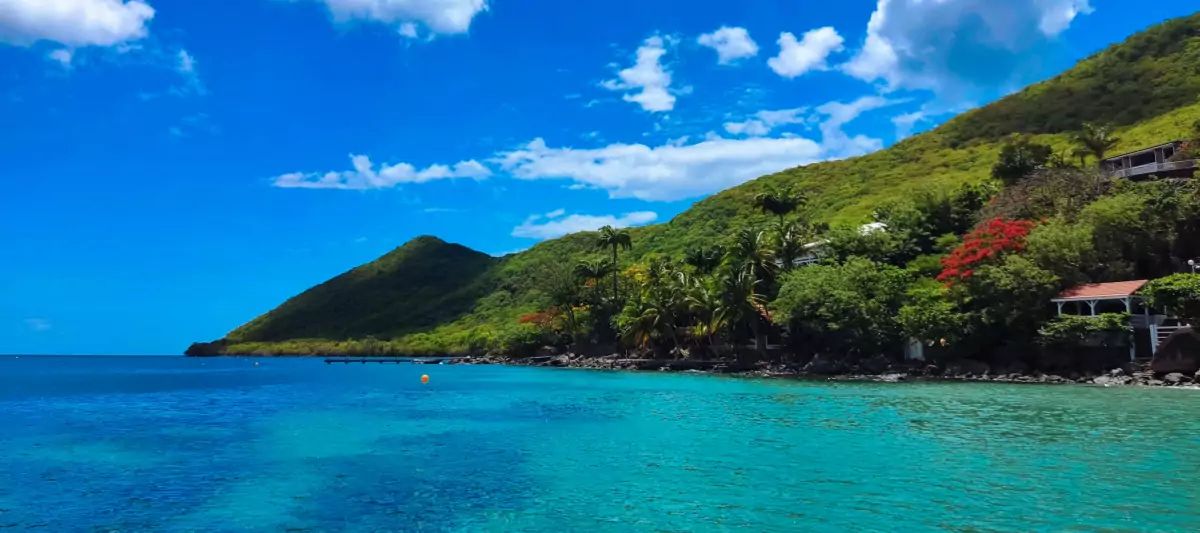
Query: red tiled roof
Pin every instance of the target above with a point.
(1090, 291)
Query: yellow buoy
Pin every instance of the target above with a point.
(424, 378)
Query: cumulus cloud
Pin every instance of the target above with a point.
(678, 170)
(834, 140)
(407, 16)
(807, 54)
(365, 176)
(731, 44)
(647, 78)
(558, 223)
(62, 56)
(660, 173)
(762, 122)
(73, 23)
(954, 45)
(906, 122)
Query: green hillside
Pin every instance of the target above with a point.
(432, 297)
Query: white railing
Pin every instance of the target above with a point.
(1152, 168)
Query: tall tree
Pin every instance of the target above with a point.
(592, 272)
(753, 269)
(780, 202)
(705, 259)
(790, 239)
(1018, 158)
(1095, 140)
(561, 286)
(614, 239)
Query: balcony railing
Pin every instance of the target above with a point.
(1152, 168)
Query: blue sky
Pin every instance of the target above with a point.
(174, 168)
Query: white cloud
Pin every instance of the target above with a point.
(365, 176)
(63, 56)
(38, 325)
(731, 44)
(647, 77)
(557, 223)
(436, 16)
(762, 122)
(834, 140)
(677, 170)
(661, 173)
(185, 65)
(809, 53)
(73, 23)
(952, 45)
(906, 122)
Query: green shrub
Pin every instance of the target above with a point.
(1076, 330)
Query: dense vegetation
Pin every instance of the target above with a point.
(985, 218)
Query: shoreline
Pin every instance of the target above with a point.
(867, 371)
(1130, 375)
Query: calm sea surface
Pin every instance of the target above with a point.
(294, 444)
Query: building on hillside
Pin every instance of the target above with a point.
(1159, 160)
(813, 250)
(1150, 326)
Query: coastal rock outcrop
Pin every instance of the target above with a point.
(1178, 353)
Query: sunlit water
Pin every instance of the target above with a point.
(291, 444)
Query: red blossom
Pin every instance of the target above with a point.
(989, 241)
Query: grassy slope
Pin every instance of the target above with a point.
(1148, 86)
(419, 285)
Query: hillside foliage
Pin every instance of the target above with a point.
(430, 297)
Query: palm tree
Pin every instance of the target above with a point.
(751, 252)
(592, 271)
(743, 303)
(790, 239)
(1095, 140)
(613, 238)
(704, 301)
(704, 259)
(651, 316)
(779, 202)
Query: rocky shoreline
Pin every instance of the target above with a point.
(877, 370)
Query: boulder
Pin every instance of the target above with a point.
(1178, 353)
(875, 365)
(964, 367)
(1175, 378)
(822, 366)
(1110, 380)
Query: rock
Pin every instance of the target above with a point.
(875, 365)
(822, 366)
(1178, 353)
(892, 378)
(964, 367)
(1016, 367)
(1175, 378)
(1110, 380)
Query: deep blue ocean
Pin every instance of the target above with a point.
(231, 444)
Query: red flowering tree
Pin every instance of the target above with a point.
(983, 245)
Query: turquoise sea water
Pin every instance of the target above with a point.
(294, 444)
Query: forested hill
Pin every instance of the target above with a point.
(432, 297)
